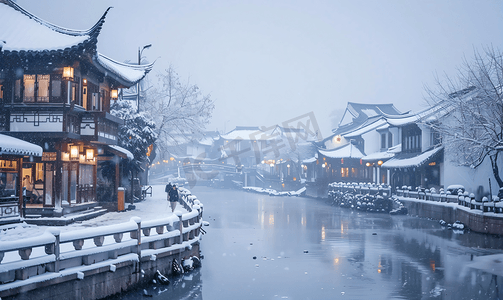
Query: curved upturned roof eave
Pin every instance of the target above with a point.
(10, 145)
(91, 34)
(125, 74)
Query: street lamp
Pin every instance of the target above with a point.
(138, 84)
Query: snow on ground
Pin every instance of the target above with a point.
(155, 207)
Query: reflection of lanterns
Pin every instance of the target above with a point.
(89, 154)
(114, 94)
(74, 152)
(68, 73)
(379, 162)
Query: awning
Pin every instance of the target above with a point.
(309, 160)
(12, 146)
(414, 161)
(119, 151)
(346, 151)
(378, 156)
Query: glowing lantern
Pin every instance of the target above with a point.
(68, 73)
(114, 94)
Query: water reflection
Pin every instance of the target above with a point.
(261, 247)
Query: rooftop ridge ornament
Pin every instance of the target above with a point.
(92, 32)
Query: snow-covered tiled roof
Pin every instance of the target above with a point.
(366, 128)
(206, 141)
(346, 151)
(127, 74)
(12, 146)
(309, 160)
(248, 133)
(124, 151)
(379, 156)
(362, 111)
(415, 161)
(23, 31)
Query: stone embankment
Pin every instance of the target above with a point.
(484, 216)
(98, 262)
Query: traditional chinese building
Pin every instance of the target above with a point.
(56, 91)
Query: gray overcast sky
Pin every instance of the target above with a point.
(265, 62)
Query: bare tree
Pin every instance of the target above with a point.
(471, 106)
(178, 108)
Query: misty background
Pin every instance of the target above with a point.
(265, 62)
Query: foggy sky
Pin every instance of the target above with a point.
(265, 62)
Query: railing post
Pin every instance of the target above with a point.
(180, 224)
(57, 251)
(197, 202)
(137, 235)
(199, 217)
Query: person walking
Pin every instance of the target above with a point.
(173, 197)
(29, 188)
(168, 189)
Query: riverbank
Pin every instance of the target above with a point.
(91, 260)
(475, 220)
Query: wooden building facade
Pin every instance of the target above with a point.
(56, 91)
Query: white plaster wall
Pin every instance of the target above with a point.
(397, 135)
(425, 137)
(372, 142)
(470, 178)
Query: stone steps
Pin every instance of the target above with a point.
(65, 219)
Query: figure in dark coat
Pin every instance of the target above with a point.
(168, 189)
(173, 197)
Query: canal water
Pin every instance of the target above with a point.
(264, 247)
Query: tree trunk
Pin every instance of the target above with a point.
(496, 173)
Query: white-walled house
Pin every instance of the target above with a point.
(366, 127)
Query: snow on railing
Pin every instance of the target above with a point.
(361, 188)
(188, 200)
(462, 198)
(102, 247)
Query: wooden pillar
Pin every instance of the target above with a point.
(58, 179)
(19, 184)
(95, 180)
(117, 175)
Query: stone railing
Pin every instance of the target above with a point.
(93, 250)
(464, 199)
(360, 188)
(9, 208)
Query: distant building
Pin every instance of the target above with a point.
(363, 140)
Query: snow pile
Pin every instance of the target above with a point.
(272, 192)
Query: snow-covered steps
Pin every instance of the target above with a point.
(66, 219)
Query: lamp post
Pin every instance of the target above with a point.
(138, 84)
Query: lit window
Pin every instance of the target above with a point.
(29, 88)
